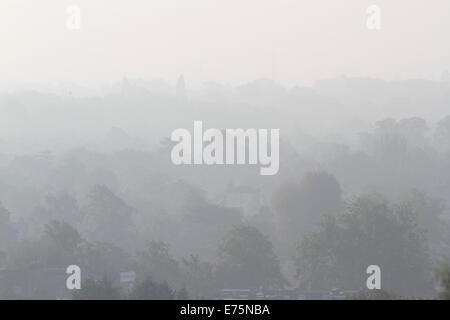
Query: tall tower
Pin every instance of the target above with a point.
(181, 89)
(445, 77)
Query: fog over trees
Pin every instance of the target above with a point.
(364, 179)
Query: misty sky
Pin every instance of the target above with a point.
(232, 41)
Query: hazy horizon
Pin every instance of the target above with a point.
(212, 149)
(231, 42)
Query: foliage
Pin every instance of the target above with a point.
(150, 290)
(300, 205)
(246, 260)
(155, 260)
(108, 218)
(375, 294)
(8, 234)
(442, 277)
(198, 276)
(370, 231)
(97, 290)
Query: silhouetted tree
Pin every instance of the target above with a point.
(375, 294)
(101, 258)
(370, 231)
(442, 277)
(97, 290)
(8, 234)
(198, 276)
(62, 207)
(300, 205)
(55, 247)
(246, 260)
(155, 260)
(181, 89)
(61, 234)
(108, 218)
(150, 290)
(442, 135)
